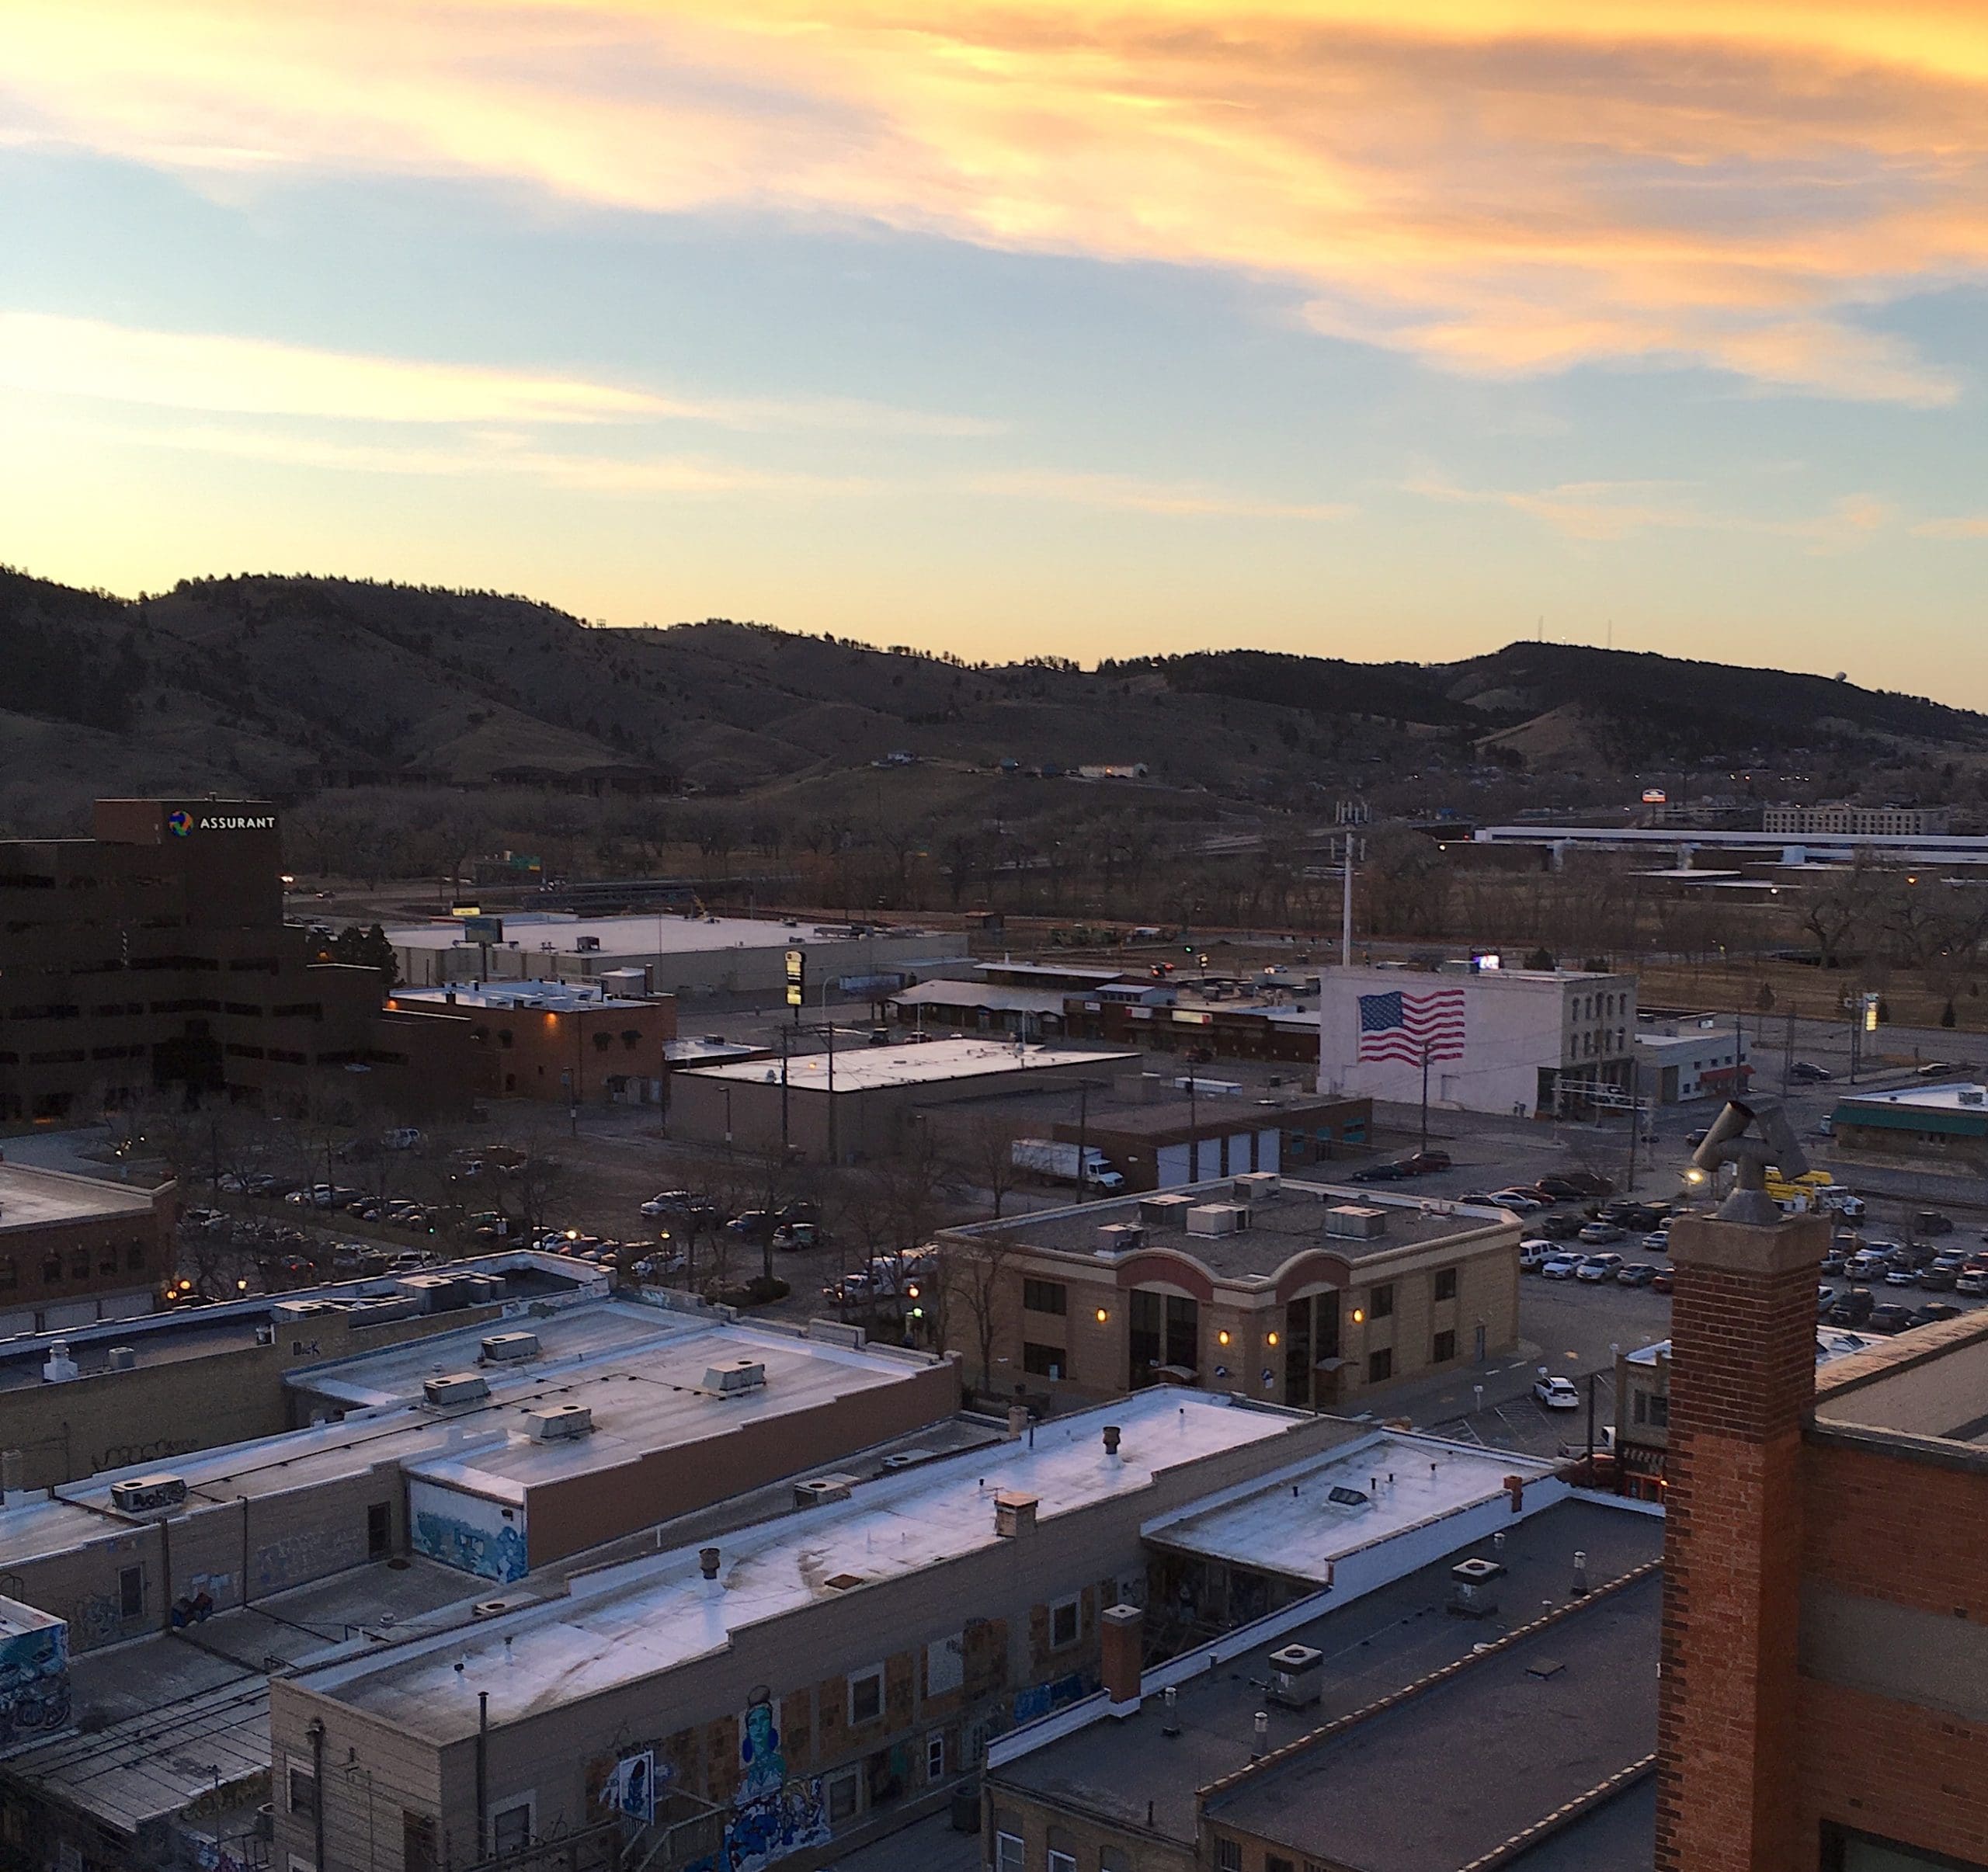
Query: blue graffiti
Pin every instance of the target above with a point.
(500, 1556)
(1039, 1699)
(790, 1820)
(34, 1683)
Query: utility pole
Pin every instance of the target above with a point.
(784, 1145)
(1629, 1188)
(1194, 1129)
(1425, 1094)
(1345, 908)
(1788, 1056)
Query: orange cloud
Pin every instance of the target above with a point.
(1497, 186)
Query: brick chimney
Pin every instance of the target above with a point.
(1125, 1645)
(1742, 1376)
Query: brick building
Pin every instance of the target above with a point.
(569, 1042)
(1154, 1146)
(1824, 1699)
(1293, 1293)
(74, 1251)
(155, 953)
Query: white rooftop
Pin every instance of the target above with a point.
(1832, 1342)
(1288, 1522)
(1961, 1094)
(667, 934)
(870, 1069)
(633, 1621)
(556, 997)
(33, 1199)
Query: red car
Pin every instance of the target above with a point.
(1660, 1283)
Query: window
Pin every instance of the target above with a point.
(1042, 1361)
(131, 1593)
(1659, 1411)
(1009, 1853)
(866, 1694)
(1063, 1624)
(1045, 1297)
(935, 1755)
(1380, 1366)
(1380, 1303)
(1276, 1862)
(1061, 1862)
(1228, 1856)
(302, 1790)
(843, 1795)
(79, 1264)
(51, 1268)
(510, 1827)
(379, 1529)
(1446, 1284)
(1445, 1348)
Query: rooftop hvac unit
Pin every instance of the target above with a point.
(1257, 1186)
(121, 1358)
(294, 1312)
(477, 1289)
(508, 1348)
(489, 1608)
(377, 1311)
(1120, 1237)
(146, 1495)
(1217, 1219)
(1014, 1514)
(587, 945)
(433, 1293)
(454, 1389)
(735, 1377)
(1471, 1594)
(1973, 1095)
(1297, 1676)
(558, 1423)
(819, 1489)
(1356, 1222)
(1164, 1211)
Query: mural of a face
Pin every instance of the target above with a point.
(764, 1766)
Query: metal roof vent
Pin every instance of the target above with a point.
(819, 1489)
(735, 1377)
(508, 1348)
(1257, 1186)
(1297, 1676)
(453, 1389)
(1116, 1238)
(1211, 1219)
(558, 1423)
(121, 1358)
(1164, 1211)
(1472, 1596)
(146, 1495)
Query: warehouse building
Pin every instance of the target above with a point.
(1480, 1037)
(1293, 1293)
(851, 1103)
(784, 1689)
(674, 954)
(74, 1250)
(1155, 1147)
(1684, 1057)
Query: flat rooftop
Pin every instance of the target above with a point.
(644, 1397)
(995, 996)
(643, 936)
(1214, 1114)
(1832, 1343)
(554, 997)
(1968, 1097)
(34, 1198)
(1288, 1522)
(1929, 1385)
(1490, 1752)
(873, 1068)
(1290, 1223)
(1124, 1769)
(627, 1622)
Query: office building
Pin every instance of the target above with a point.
(1478, 1037)
(1293, 1293)
(155, 954)
(1844, 817)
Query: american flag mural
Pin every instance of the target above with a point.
(1398, 1026)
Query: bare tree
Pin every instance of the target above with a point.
(984, 1155)
(975, 1273)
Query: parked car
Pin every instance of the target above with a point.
(1425, 1163)
(1535, 1254)
(1835, 1262)
(753, 1224)
(668, 1202)
(1889, 1318)
(1556, 1393)
(1901, 1277)
(794, 1236)
(1942, 1277)
(1806, 1072)
(1696, 1137)
(1598, 1267)
(1824, 1299)
(1397, 1172)
(1577, 1186)
(1562, 1227)
(1598, 1234)
(1664, 1283)
(1560, 1268)
(1637, 1274)
(1933, 1311)
(1930, 1222)
(1658, 1242)
(1852, 1309)
(1524, 1201)
(1972, 1280)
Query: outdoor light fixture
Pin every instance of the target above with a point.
(1359, 1315)
(1102, 1316)
(1222, 1338)
(1270, 1338)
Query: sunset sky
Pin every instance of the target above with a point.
(1370, 329)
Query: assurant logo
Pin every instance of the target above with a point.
(179, 823)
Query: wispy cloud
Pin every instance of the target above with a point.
(1615, 510)
(1497, 188)
(1128, 495)
(222, 373)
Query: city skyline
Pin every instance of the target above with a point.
(1021, 329)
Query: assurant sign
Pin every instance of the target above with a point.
(183, 825)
